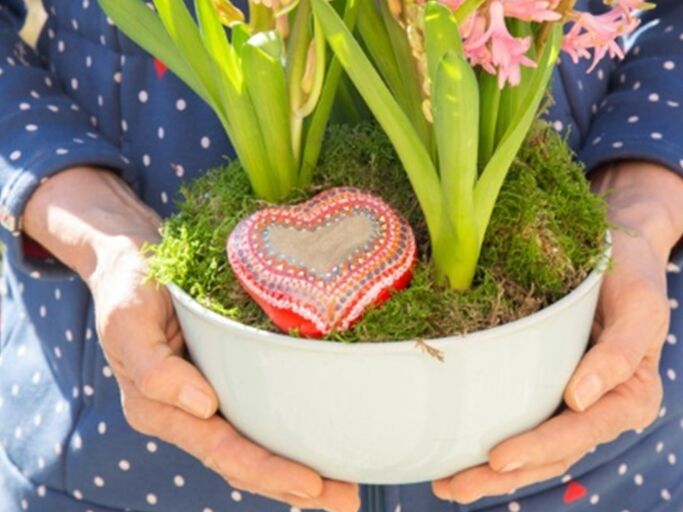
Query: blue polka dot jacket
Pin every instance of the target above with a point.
(88, 95)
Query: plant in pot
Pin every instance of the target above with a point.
(506, 249)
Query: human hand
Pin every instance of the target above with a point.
(617, 386)
(163, 395)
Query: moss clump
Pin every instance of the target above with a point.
(546, 235)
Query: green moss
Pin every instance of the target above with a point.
(546, 235)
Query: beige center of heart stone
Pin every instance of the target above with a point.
(323, 248)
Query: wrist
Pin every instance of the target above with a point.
(85, 216)
(646, 200)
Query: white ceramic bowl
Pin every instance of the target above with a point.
(388, 413)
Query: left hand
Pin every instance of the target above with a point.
(617, 386)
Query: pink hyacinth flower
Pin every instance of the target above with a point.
(507, 53)
(532, 10)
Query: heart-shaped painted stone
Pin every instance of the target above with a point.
(574, 492)
(318, 266)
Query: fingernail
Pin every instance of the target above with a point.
(301, 495)
(511, 466)
(195, 401)
(587, 391)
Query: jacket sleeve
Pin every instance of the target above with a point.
(42, 131)
(641, 115)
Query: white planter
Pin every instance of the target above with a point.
(388, 413)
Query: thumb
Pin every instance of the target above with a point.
(634, 320)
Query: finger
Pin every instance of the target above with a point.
(622, 344)
(336, 496)
(162, 375)
(570, 435)
(473, 484)
(219, 446)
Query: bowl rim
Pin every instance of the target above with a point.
(589, 283)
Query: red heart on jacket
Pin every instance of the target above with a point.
(574, 492)
(318, 266)
(160, 68)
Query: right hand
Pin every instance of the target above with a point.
(163, 395)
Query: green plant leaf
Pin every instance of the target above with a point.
(489, 104)
(182, 28)
(442, 35)
(144, 27)
(216, 40)
(240, 34)
(411, 150)
(455, 103)
(315, 132)
(492, 178)
(267, 86)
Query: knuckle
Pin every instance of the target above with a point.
(147, 380)
(622, 361)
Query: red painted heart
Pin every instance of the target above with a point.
(574, 492)
(160, 68)
(318, 266)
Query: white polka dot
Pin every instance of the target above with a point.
(164, 197)
(118, 77)
(152, 499)
(88, 333)
(181, 104)
(161, 133)
(633, 119)
(152, 447)
(206, 142)
(102, 428)
(671, 374)
(18, 432)
(53, 108)
(31, 128)
(673, 303)
(638, 479)
(106, 371)
(41, 491)
(659, 447)
(61, 46)
(656, 136)
(513, 506)
(98, 481)
(617, 144)
(77, 441)
(207, 509)
(665, 494)
(41, 462)
(24, 504)
(669, 65)
(38, 420)
(623, 468)
(671, 459)
(671, 339)
(14, 390)
(178, 169)
(88, 61)
(595, 499)
(15, 155)
(673, 104)
(124, 465)
(24, 106)
(178, 480)
(88, 390)
(637, 86)
(74, 84)
(36, 377)
(236, 496)
(58, 352)
(143, 96)
(77, 494)
(62, 151)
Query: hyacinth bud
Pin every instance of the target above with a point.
(396, 8)
(228, 13)
(308, 79)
